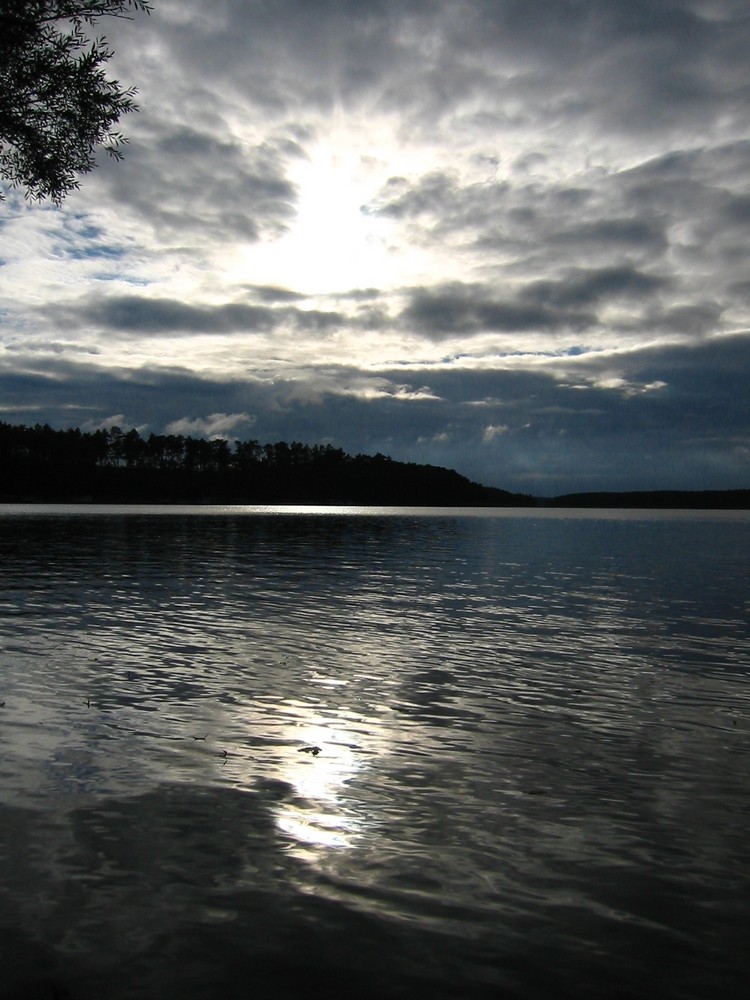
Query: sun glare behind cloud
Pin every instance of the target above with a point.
(332, 245)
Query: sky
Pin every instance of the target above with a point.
(509, 237)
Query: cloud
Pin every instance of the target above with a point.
(583, 287)
(144, 314)
(188, 185)
(156, 315)
(491, 431)
(455, 308)
(216, 425)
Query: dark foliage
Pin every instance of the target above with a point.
(39, 463)
(57, 104)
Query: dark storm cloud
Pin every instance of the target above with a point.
(672, 229)
(695, 319)
(623, 233)
(681, 416)
(548, 222)
(292, 55)
(630, 64)
(190, 184)
(628, 209)
(713, 372)
(627, 64)
(455, 308)
(545, 432)
(130, 313)
(587, 287)
(138, 314)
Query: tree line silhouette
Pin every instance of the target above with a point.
(115, 466)
(111, 465)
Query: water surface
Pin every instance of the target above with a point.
(533, 775)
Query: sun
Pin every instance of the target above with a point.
(334, 244)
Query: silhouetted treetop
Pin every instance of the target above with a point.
(112, 465)
(57, 104)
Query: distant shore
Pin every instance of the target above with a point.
(41, 465)
(657, 500)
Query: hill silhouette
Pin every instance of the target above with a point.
(112, 466)
(39, 464)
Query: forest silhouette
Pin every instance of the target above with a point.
(113, 466)
(39, 464)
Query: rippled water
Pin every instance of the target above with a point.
(534, 768)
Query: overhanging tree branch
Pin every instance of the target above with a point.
(57, 104)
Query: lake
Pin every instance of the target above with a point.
(300, 752)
